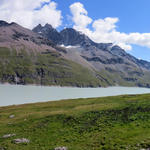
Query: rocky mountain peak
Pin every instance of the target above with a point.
(3, 23)
(48, 26)
(38, 28)
(117, 50)
(48, 32)
(72, 37)
(6, 24)
(69, 36)
(43, 29)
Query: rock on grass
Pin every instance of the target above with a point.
(11, 116)
(61, 148)
(8, 136)
(23, 140)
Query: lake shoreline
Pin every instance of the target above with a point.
(59, 86)
(62, 100)
(20, 94)
(39, 85)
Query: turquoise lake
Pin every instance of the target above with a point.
(19, 94)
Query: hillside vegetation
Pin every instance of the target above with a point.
(110, 123)
(45, 56)
(45, 68)
(51, 68)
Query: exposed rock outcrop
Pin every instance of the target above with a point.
(8, 135)
(61, 148)
(23, 140)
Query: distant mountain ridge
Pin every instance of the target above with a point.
(103, 57)
(72, 37)
(68, 58)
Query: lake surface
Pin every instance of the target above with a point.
(19, 94)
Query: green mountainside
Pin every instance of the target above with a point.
(51, 68)
(66, 58)
(45, 68)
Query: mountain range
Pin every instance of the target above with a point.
(45, 56)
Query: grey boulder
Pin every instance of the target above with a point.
(23, 140)
(8, 136)
(61, 148)
(11, 116)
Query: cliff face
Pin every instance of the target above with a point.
(68, 58)
(48, 32)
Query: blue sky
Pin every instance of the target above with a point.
(122, 22)
(133, 17)
(133, 14)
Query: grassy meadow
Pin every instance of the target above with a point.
(109, 123)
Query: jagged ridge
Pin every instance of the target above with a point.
(104, 64)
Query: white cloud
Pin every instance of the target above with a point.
(105, 30)
(80, 17)
(29, 13)
(105, 25)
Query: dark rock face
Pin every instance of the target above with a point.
(105, 61)
(116, 50)
(37, 40)
(48, 32)
(72, 37)
(3, 23)
(144, 64)
(38, 28)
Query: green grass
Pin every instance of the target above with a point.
(110, 123)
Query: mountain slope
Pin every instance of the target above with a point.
(109, 60)
(67, 58)
(48, 32)
(29, 58)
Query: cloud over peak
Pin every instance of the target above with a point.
(80, 16)
(105, 30)
(29, 13)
